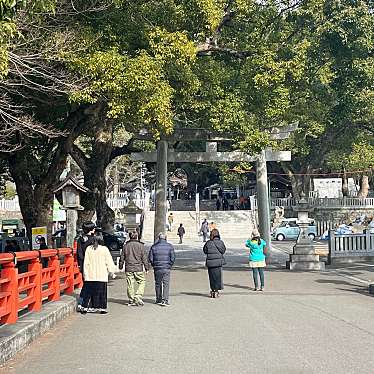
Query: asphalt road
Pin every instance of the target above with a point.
(316, 322)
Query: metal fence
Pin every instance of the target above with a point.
(344, 202)
(323, 226)
(10, 205)
(121, 201)
(352, 247)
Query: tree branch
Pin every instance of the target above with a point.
(79, 157)
(206, 49)
(366, 126)
(123, 150)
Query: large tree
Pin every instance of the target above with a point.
(335, 100)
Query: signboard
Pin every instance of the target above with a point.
(38, 233)
(59, 215)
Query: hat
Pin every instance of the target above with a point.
(255, 233)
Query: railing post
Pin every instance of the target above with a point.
(36, 266)
(11, 272)
(69, 261)
(331, 246)
(54, 263)
(367, 241)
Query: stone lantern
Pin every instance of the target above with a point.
(70, 189)
(304, 256)
(131, 214)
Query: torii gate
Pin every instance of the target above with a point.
(163, 155)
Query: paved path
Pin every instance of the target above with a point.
(303, 323)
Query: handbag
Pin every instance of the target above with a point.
(223, 262)
(266, 251)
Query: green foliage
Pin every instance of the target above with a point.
(135, 87)
(234, 176)
(9, 8)
(8, 23)
(9, 191)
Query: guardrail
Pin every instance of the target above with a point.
(19, 291)
(350, 247)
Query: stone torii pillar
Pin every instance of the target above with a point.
(263, 198)
(161, 188)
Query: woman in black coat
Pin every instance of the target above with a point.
(214, 250)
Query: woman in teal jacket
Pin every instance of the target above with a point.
(257, 258)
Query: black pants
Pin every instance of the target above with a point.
(215, 278)
(96, 293)
(162, 281)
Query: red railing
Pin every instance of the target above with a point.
(19, 291)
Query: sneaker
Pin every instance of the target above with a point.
(256, 289)
(262, 289)
(79, 308)
(140, 302)
(103, 312)
(91, 310)
(131, 303)
(165, 303)
(158, 302)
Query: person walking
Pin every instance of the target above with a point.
(212, 226)
(98, 263)
(170, 221)
(162, 257)
(214, 250)
(43, 245)
(225, 204)
(204, 229)
(134, 257)
(83, 242)
(181, 232)
(218, 204)
(257, 256)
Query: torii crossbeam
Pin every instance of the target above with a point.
(211, 155)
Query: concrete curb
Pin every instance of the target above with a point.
(14, 338)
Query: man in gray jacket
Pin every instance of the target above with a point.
(162, 258)
(136, 265)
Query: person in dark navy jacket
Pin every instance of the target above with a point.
(162, 257)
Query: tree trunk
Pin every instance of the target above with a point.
(364, 187)
(345, 190)
(36, 201)
(300, 183)
(94, 171)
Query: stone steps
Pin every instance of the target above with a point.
(231, 224)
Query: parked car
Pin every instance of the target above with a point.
(289, 229)
(113, 241)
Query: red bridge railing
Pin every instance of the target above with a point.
(19, 291)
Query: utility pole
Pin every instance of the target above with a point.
(161, 188)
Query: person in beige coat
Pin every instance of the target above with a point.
(98, 263)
